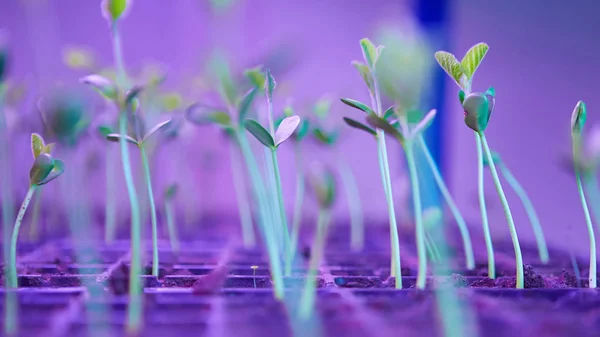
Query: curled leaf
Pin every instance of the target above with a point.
(37, 145)
(326, 138)
(115, 137)
(105, 130)
(41, 168)
(104, 86)
(286, 129)
(360, 126)
(578, 117)
(357, 105)
(380, 123)
(57, 169)
(256, 76)
(270, 85)
(260, 133)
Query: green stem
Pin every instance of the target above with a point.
(34, 228)
(460, 221)
(282, 216)
(135, 307)
(297, 220)
(152, 210)
(271, 198)
(417, 210)
(170, 217)
(357, 232)
(533, 218)
(387, 186)
(110, 210)
(484, 218)
(588, 220)
(13, 239)
(242, 198)
(264, 213)
(307, 299)
(5, 186)
(590, 185)
(507, 213)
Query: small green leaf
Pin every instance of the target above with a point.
(256, 77)
(246, 104)
(114, 137)
(424, 123)
(286, 129)
(156, 128)
(365, 73)
(112, 10)
(473, 59)
(322, 183)
(41, 168)
(170, 101)
(37, 145)
(322, 107)
(105, 130)
(49, 148)
(461, 96)
(369, 52)
(57, 169)
(201, 115)
(380, 123)
(270, 85)
(450, 64)
(171, 191)
(101, 84)
(389, 113)
(326, 138)
(578, 117)
(358, 125)
(259, 133)
(357, 105)
(288, 111)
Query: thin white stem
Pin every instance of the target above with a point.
(482, 206)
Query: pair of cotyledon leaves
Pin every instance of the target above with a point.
(128, 101)
(202, 114)
(45, 168)
(478, 106)
(407, 127)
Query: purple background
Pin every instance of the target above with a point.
(543, 58)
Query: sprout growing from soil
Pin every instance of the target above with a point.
(272, 139)
(124, 100)
(231, 120)
(322, 183)
(328, 138)
(527, 204)
(578, 119)
(45, 168)
(170, 193)
(254, 274)
(139, 137)
(406, 134)
(367, 71)
(478, 107)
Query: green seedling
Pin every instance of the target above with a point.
(406, 133)
(139, 136)
(578, 119)
(242, 197)
(368, 72)
(170, 193)
(460, 221)
(478, 107)
(45, 168)
(124, 100)
(329, 138)
(322, 183)
(531, 213)
(272, 139)
(298, 136)
(231, 120)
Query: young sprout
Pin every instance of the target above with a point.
(170, 193)
(45, 168)
(328, 138)
(232, 122)
(254, 274)
(113, 11)
(272, 139)
(322, 183)
(368, 72)
(531, 213)
(139, 136)
(578, 119)
(298, 135)
(478, 107)
(406, 134)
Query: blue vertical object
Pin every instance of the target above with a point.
(433, 18)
